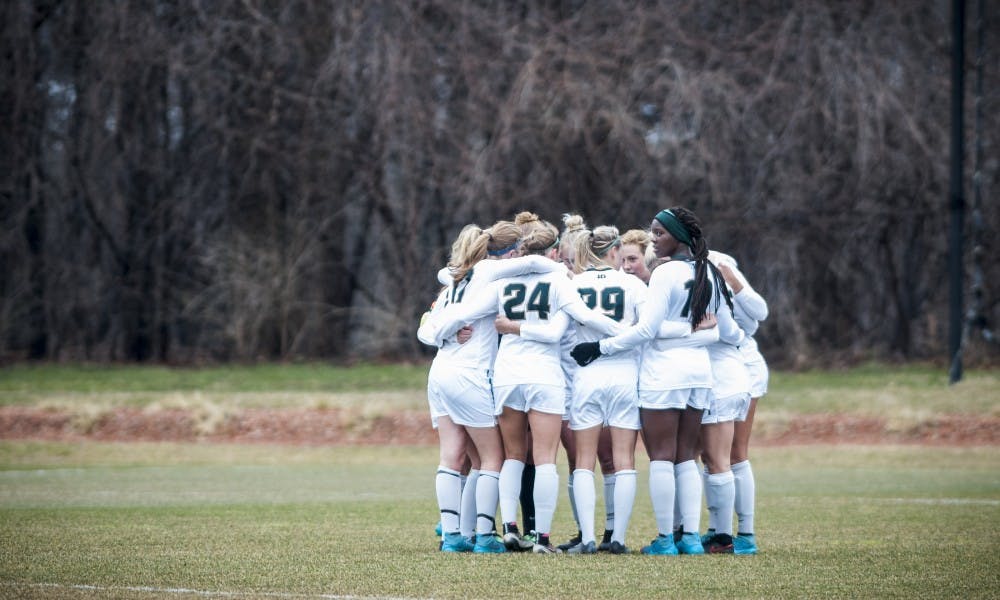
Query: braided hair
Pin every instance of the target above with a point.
(708, 282)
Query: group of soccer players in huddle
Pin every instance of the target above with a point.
(602, 337)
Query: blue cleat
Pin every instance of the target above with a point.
(487, 543)
(662, 545)
(690, 544)
(437, 529)
(744, 543)
(455, 542)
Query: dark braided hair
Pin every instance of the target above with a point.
(708, 282)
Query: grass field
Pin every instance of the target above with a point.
(142, 520)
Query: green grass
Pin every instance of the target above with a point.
(314, 377)
(909, 392)
(886, 521)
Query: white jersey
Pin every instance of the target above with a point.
(681, 363)
(480, 350)
(539, 301)
(616, 294)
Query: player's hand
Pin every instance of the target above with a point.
(505, 325)
(586, 353)
(464, 334)
(707, 322)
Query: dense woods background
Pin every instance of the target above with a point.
(199, 181)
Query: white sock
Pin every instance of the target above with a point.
(661, 493)
(712, 513)
(546, 494)
(487, 495)
(467, 518)
(583, 487)
(689, 495)
(746, 489)
(721, 492)
(448, 484)
(572, 498)
(624, 498)
(609, 502)
(510, 489)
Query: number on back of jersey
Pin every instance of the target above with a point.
(518, 300)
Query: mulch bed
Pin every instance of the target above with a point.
(339, 427)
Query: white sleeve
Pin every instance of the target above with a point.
(441, 326)
(702, 337)
(492, 270)
(752, 303)
(549, 331)
(747, 323)
(650, 317)
(569, 300)
(729, 331)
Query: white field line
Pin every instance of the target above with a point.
(193, 592)
(938, 501)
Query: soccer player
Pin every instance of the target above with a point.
(729, 401)
(458, 387)
(675, 375)
(749, 309)
(604, 392)
(636, 253)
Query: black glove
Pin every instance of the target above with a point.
(586, 353)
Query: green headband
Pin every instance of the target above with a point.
(600, 253)
(672, 224)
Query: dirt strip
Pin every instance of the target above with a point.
(333, 426)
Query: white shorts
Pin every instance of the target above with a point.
(462, 394)
(525, 397)
(697, 398)
(730, 408)
(612, 405)
(758, 378)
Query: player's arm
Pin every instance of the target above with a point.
(443, 325)
(650, 317)
(492, 270)
(569, 300)
(729, 331)
(549, 331)
(753, 303)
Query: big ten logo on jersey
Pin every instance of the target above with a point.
(519, 300)
(611, 300)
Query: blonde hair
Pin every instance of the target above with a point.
(474, 244)
(572, 226)
(637, 237)
(537, 235)
(592, 249)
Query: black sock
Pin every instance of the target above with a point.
(528, 497)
